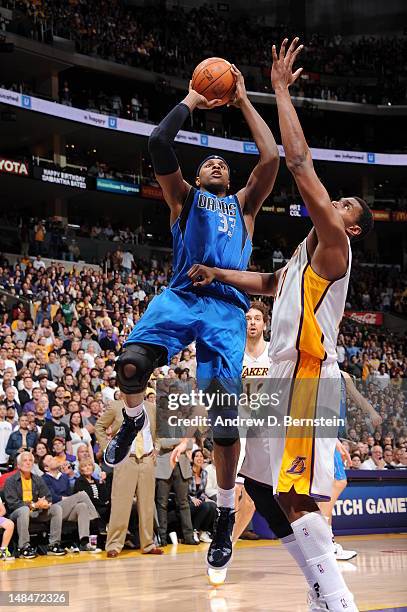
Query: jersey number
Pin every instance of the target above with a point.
(228, 225)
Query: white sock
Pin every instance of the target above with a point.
(134, 411)
(330, 528)
(291, 546)
(226, 498)
(314, 538)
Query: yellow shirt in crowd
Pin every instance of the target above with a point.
(27, 485)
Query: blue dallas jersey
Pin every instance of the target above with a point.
(210, 231)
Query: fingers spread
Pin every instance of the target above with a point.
(274, 53)
(292, 46)
(297, 74)
(295, 54)
(282, 48)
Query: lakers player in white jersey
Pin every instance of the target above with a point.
(256, 364)
(310, 295)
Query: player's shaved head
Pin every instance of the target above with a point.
(356, 215)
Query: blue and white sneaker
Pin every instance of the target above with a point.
(220, 549)
(119, 446)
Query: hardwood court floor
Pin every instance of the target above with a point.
(262, 578)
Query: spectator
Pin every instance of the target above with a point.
(382, 377)
(69, 469)
(203, 509)
(56, 428)
(139, 469)
(108, 342)
(95, 412)
(68, 310)
(109, 391)
(8, 529)
(40, 451)
(10, 399)
(39, 238)
(59, 451)
(176, 478)
(65, 96)
(79, 434)
(127, 263)
(22, 439)
(356, 462)
(376, 461)
(95, 489)
(31, 405)
(83, 453)
(388, 458)
(211, 489)
(135, 107)
(76, 507)
(11, 417)
(25, 394)
(188, 362)
(27, 498)
(5, 432)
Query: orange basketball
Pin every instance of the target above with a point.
(213, 79)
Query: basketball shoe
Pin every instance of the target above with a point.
(343, 555)
(220, 549)
(5, 554)
(217, 577)
(119, 446)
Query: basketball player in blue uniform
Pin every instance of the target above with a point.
(214, 228)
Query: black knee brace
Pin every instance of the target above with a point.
(267, 505)
(144, 358)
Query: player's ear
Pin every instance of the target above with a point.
(197, 181)
(353, 230)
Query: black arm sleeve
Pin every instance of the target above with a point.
(160, 143)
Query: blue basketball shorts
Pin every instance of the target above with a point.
(339, 468)
(176, 318)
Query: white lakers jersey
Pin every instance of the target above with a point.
(307, 310)
(254, 370)
(256, 366)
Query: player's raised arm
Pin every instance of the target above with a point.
(326, 219)
(263, 176)
(354, 394)
(161, 149)
(256, 283)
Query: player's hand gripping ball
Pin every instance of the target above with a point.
(214, 78)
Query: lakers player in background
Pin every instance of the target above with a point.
(256, 364)
(310, 293)
(215, 228)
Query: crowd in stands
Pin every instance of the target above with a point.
(59, 338)
(173, 41)
(373, 287)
